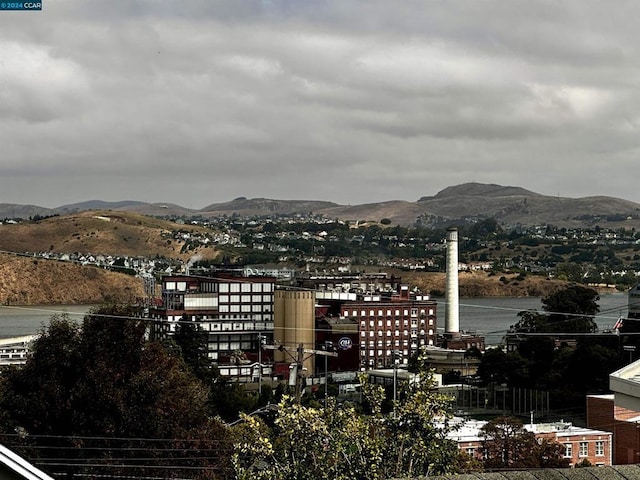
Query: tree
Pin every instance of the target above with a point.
(507, 444)
(102, 387)
(193, 344)
(570, 309)
(341, 443)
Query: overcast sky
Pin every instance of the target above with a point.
(201, 101)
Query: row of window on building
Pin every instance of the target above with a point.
(396, 313)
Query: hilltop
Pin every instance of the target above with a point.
(102, 232)
(28, 281)
(509, 205)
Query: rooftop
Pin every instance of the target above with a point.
(615, 472)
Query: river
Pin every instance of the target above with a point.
(490, 316)
(16, 321)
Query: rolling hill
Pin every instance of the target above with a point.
(507, 204)
(105, 232)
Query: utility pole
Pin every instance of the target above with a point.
(261, 342)
(297, 355)
(328, 346)
(396, 355)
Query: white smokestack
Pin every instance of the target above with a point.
(452, 312)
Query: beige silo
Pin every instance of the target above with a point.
(294, 324)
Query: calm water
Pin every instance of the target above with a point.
(490, 316)
(18, 321)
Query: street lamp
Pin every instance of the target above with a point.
(328, 345)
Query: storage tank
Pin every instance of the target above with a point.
(294, 324)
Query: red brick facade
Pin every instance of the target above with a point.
(602, 413)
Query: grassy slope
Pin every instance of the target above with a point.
(91, 232)
(30, 281)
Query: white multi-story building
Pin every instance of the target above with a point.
(233, 310)
(13, 351)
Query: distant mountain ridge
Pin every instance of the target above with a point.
(509, 205)
(480, 190)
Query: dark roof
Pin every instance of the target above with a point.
(615, 472)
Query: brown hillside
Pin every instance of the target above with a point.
(100, 232)
(481, 284)
(31, 281)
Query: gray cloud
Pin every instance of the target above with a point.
(201, 101)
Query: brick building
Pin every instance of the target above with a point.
(603, 413)
(580, 444)
(402, 324)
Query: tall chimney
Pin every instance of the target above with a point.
(452, 314)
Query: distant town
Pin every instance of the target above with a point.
(587, 255)
(300, 311)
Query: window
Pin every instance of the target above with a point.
(583, 449)
(471, 452)
(599, 448)
(568, 450)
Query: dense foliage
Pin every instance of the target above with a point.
(568, 310)
(566, 366)
(101, 394)
(342, 443)
(507, 444)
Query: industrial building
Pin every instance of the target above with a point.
(235, 312)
